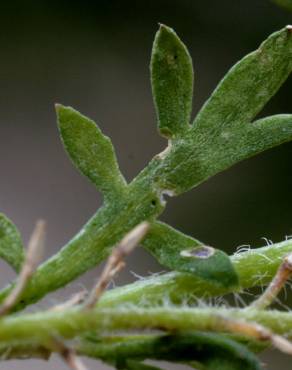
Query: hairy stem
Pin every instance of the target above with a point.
(37, 328)
(255, 267)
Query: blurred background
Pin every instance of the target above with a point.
(94, 56)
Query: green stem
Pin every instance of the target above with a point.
(143, 201)
(255, 267)
(94, 242)
(38, 327)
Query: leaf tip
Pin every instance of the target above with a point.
(165, 28)
(164, 32)
(64, 115)
(58, 107)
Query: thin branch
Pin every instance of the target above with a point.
(67, 353)
(255, 267)
(115, 262)
(257, 332)
(283, 274)
(33, 257)
(72, 360)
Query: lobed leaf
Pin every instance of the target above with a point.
(11, 247)
(248, 86)
(223, 133)
(179, 252)
(90, 151)
(172, 82)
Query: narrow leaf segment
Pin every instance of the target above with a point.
(11, 247)
(172, 83)
(91, 151)
(248, 86)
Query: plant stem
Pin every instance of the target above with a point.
(255, 267)
(94, 242)
(37, 328)
(282, 276)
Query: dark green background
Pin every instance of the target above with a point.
(94, 55)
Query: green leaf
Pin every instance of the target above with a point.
(213, 351)
(248, 86)
(267, 132)
(247, 141)
(223, 133)
(90, 151)
(263, 134)
(172, 83)
(179, 252)
(11, 247)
